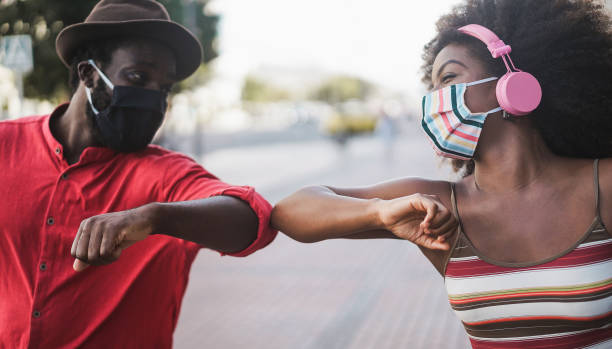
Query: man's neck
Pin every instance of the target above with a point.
(72, 129)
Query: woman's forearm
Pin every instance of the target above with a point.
(317, 213)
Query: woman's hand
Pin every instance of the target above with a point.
(419, 218)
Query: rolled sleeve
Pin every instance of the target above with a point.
(262, 208)
(187, 180)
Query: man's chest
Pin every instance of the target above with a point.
(39, 218)
(44, 205)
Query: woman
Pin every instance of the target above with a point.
(530, 264)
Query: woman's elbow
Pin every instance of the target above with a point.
(284, 221)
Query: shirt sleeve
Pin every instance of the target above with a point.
(185, 180)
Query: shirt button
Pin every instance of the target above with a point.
(43, 266)
(36, 313)
(58, 150)
(50, 221)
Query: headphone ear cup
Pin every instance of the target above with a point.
(518, 93)
(499, 91)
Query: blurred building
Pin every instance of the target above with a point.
(9, 95)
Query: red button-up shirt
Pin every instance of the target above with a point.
(132, 303)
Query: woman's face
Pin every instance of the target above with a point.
(455, 64)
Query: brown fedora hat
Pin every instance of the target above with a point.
(139, 18)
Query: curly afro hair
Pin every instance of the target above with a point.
(566, 45)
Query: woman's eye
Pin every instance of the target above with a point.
(448, 77)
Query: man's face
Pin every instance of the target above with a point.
(141, 63)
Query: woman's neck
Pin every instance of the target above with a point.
(511, 156)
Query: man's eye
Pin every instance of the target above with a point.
(136, 76)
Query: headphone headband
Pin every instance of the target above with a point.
(518, 92)
(495, 45)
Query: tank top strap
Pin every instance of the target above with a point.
(454, 206)
(458, 246)
(596, 185)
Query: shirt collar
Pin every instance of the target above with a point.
(90, 154)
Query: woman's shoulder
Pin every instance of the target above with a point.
(604, 182)
(589, 171)
(605, 164)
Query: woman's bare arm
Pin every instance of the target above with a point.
(408, 208)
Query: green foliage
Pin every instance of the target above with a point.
(255, 90)
(341, 89)
(198, 78)
(44, 19)
(192, 14)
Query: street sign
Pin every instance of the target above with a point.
(16, 53)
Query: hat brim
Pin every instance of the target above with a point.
(187, 49)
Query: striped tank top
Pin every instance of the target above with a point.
(562, 302)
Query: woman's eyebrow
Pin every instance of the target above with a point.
(448, 62)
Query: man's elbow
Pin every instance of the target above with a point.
(244, 232)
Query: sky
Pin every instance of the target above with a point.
(378, 40)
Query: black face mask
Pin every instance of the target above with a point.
(129, 123)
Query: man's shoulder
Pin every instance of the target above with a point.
(25, 121)
(157, 153)
(157, 157)
(17, 129)
(169, 167)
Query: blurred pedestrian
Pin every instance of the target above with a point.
(387, 132)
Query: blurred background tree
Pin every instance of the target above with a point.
(256, 90)
(341, 89)
(44, 19)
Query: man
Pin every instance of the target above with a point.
(84, 183)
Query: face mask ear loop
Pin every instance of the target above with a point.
(482, 81)
(495, 110)
(88, 93)
(104, 78)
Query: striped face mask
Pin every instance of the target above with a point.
(450, 126)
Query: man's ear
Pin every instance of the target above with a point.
(86, 73)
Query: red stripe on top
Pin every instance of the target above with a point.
(457, 132)
(577, 257)
(441, 98)
(572, 341)
(532, 294)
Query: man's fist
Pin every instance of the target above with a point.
(100, 239)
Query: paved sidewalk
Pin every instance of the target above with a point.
(335, 294)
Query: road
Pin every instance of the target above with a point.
(334, 294)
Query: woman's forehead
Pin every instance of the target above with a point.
(454, 53)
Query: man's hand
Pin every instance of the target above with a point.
(419, 218)
(100, 239)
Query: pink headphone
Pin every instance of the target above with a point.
(518, 92)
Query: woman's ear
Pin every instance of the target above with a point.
(86, 74)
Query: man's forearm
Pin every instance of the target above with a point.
(223, 223)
